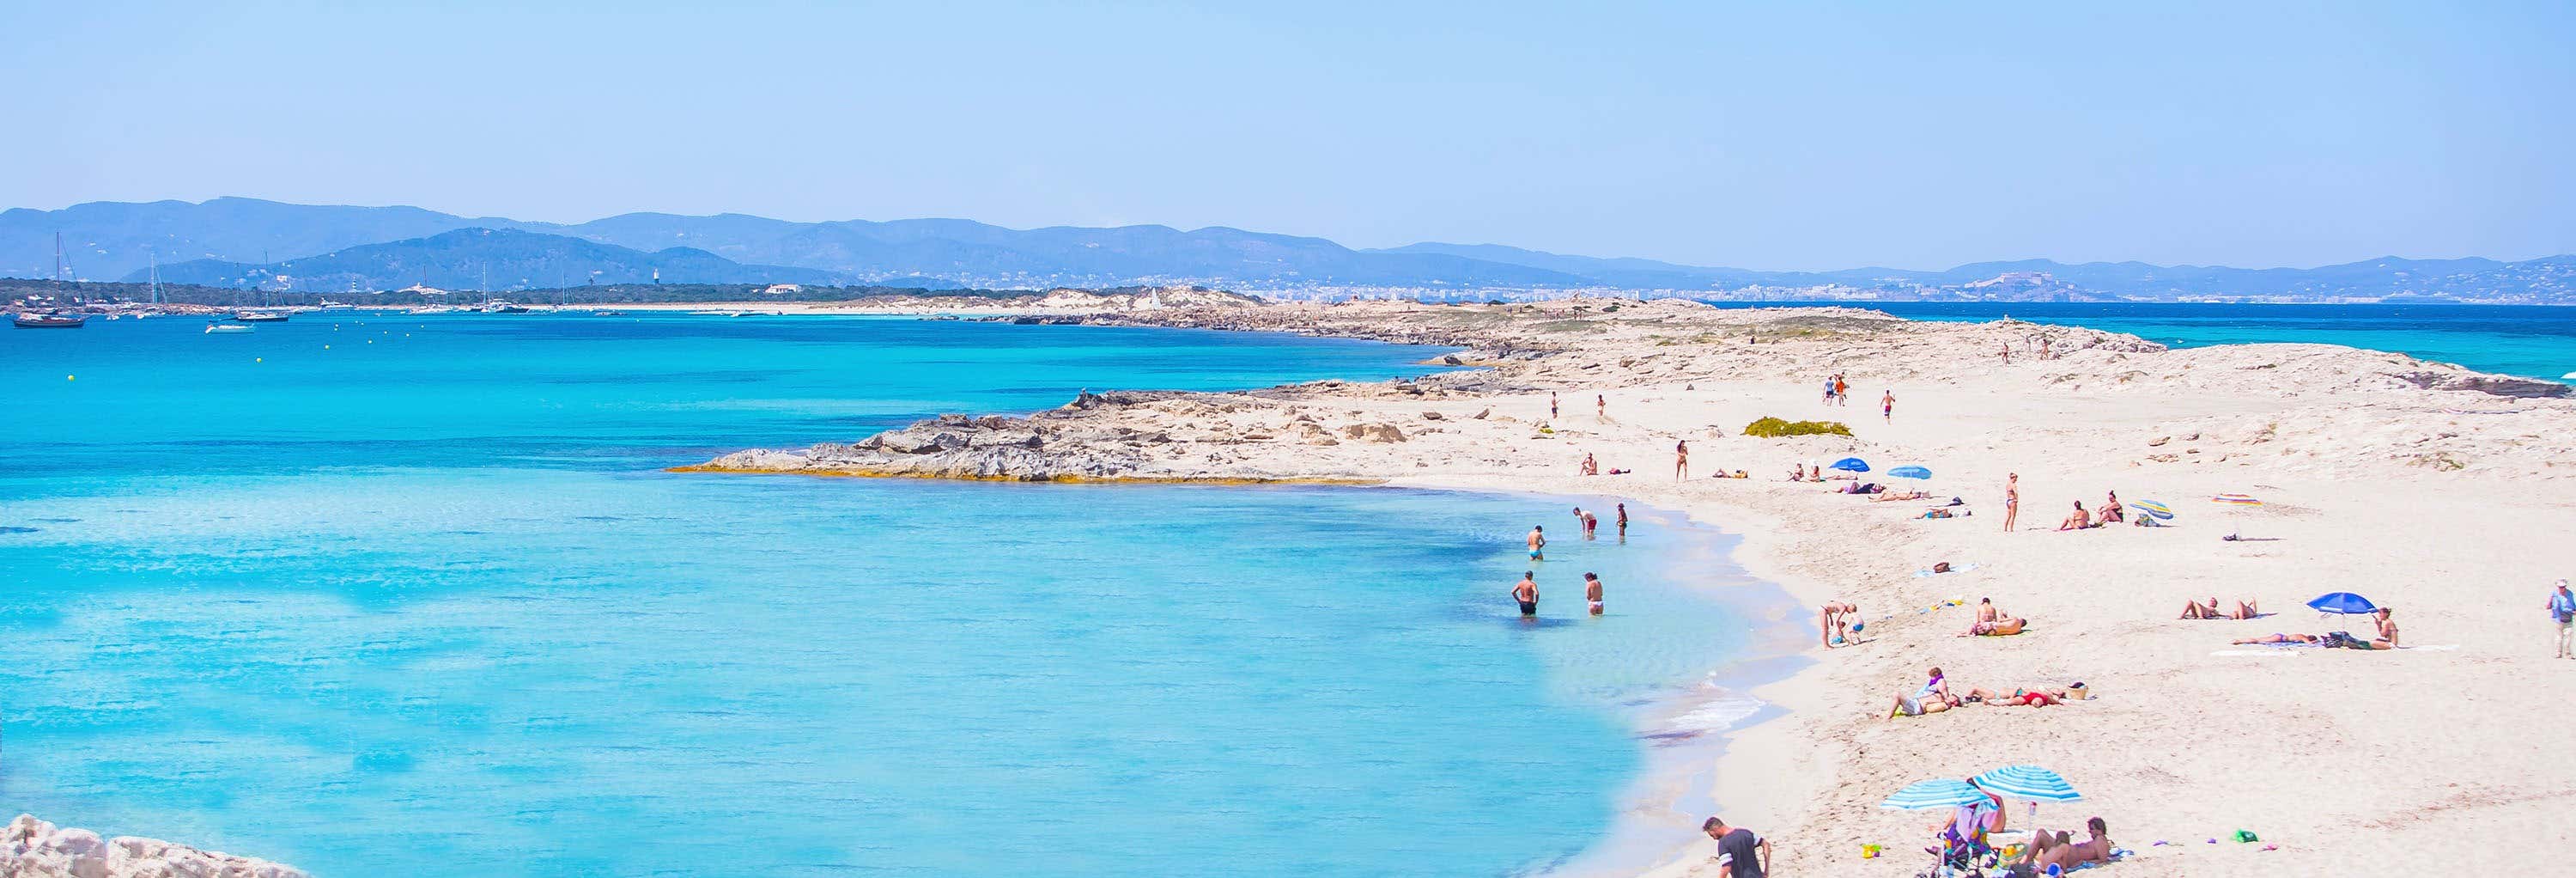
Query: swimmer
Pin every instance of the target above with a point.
(1592, 592)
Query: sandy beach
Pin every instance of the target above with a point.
(2430, 489)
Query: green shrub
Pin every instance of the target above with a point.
(1773, 428)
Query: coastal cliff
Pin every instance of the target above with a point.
(32, 848)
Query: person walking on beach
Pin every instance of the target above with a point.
(1592, 592)
(1887, 406)
(1681, 460)
(1740, 853)
(1600, 407)
(2012, 499)
(1551, 405)
(2562, 612)
(1842, 390)
(1623, 537)
(1590, 523)
(1538, 543)
(1526, 593)
(2007, 353)
(1829, 391)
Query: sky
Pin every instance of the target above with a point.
(1759, 135)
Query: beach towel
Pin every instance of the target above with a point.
(1927, 573)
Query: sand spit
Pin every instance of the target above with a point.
(33, 848)
(2429, 488)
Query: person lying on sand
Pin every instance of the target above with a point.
(2198, 610)
(1909, 495)
(2023, 696)
(2277, 638)
(2005, 627)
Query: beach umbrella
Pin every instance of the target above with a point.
(2235, 500)
(1851, 465)
(2342, 602)
(1936, 793)
(2029, 782)
(2155, 509)
(1910, 472)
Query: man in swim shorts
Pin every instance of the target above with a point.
(1538, 543)
(1592, 592)
(1591, 523)
(1526, 593)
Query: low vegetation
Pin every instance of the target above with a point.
(1774, 428)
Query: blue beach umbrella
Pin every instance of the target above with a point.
(2028, 782)
(1910, 472)
(1851, 465)
(1936, 793)
(2343, 602)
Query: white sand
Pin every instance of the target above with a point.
(2451, 506)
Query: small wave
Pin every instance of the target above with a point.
(1707, 718)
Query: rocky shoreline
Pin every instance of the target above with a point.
(32, 848)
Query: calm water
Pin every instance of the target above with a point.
(427, 607)
(2533, 341)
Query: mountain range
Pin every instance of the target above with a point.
(250, 242)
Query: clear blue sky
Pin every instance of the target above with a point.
(1773, 135)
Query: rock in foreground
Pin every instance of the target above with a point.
(33, 848)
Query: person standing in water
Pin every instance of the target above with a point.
(1590, 523)
(1592, 592)
(2012, 499)
(1526, 593)
(1887, 406)
(1681, 460)
(1623, 537)
(1538, 543)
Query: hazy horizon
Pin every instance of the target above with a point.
(1833, 137)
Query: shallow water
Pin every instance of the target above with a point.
(434, 610)
(2533, 341)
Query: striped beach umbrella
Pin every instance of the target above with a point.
(2235, 500)
(2028, 782)
(2155, 509)
(1935, 793)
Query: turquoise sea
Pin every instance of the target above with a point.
(386, 595)
(2532, 341)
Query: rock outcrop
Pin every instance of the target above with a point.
(32, 848)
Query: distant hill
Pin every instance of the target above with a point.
(116, 240)
(460, 260)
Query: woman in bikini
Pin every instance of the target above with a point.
(2012, 495)
(2198, 610)
(2077, 520)
(2278, 638)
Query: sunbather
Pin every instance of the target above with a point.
(2004, 627)
(2076, 520)
(2018, 697)
(2198, 610)
(1909, 495)
(2112, 510)
(2278, 638)
(1933, 697)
